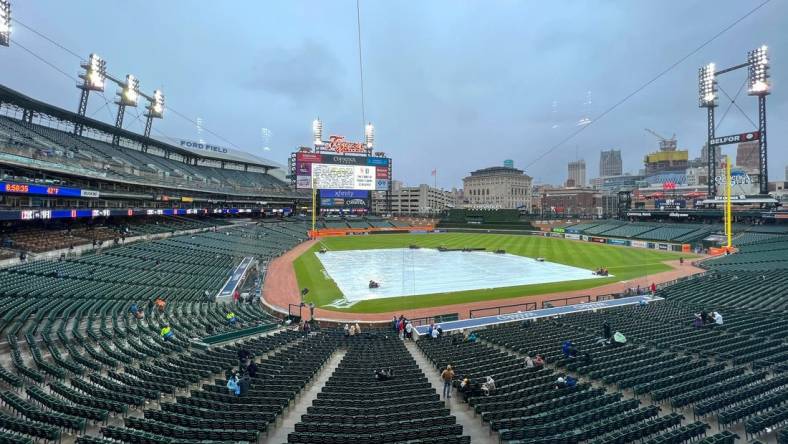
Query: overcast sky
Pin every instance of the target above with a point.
(452, 85)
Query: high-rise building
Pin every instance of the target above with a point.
(748, 156)
(421, 200)
(704, 153)
(508, 163)
(610, 163)
(498, 188)
(786, 172)
(577, 172)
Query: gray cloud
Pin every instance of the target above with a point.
(301, 74)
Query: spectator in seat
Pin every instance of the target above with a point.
(384, 374)
(488, 386)
(560, 383)
(606, 333)
(134, 309)
(447, 375)
(465, 388)
(529, 363)
(538, 362)
(231, 318)
(243, 355)
(570, 382)
(409, 330)
(166, 332)
(346, 329)
(618, 339)
(233, 386)
(358, 329)
(251, 369)
(435, 333)
(236, 296)
(565, 347)
(717, 318)
(160, 304)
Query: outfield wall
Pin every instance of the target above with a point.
(634, 243)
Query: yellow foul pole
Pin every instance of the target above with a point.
(728, 215)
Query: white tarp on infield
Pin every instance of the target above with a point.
(406, 272)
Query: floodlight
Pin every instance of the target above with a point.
(5, 22)
(369, 135)
(707, 86)
(130, 94)
(95, 73)
(317, 132)
(758, 72)
(156, 106)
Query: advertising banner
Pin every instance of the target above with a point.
(382, 184)
(343, 160)
(558, 230)
(381, 173)
(309, 157)
(663, 246)
(346, 194)
(377, 161)
(618, 242)
(638, 244)
(44, 190)
(600, 240)
(572, 236)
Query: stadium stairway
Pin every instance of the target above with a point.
(289, 419)
(479, 433)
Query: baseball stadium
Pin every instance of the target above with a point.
(160, 290)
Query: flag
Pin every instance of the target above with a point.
(434, 172)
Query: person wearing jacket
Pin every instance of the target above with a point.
(447, 375)
(233, 386)
(166, 332)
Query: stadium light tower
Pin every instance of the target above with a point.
(707, 98)
(369, 136)
(155, 110)
(5, 22)
(758, 82)
(93, 79)
(317, 132)
(128, 95)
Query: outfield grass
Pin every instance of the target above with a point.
(624, 262)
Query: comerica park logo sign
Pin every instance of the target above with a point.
(736, 138)
(736, 179)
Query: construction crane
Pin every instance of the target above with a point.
(664, 143)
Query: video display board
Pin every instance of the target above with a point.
(335, 172)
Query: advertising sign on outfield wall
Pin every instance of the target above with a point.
(664, 246)
(572, 236)
(638, 244)
(600, 240)
(618, 242)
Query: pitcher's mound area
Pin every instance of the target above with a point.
(413, 272)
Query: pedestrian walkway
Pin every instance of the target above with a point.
(277, 434)
(471, 425)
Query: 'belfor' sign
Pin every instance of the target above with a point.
(737, 138)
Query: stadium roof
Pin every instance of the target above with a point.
(8, 95)
(217, 152)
